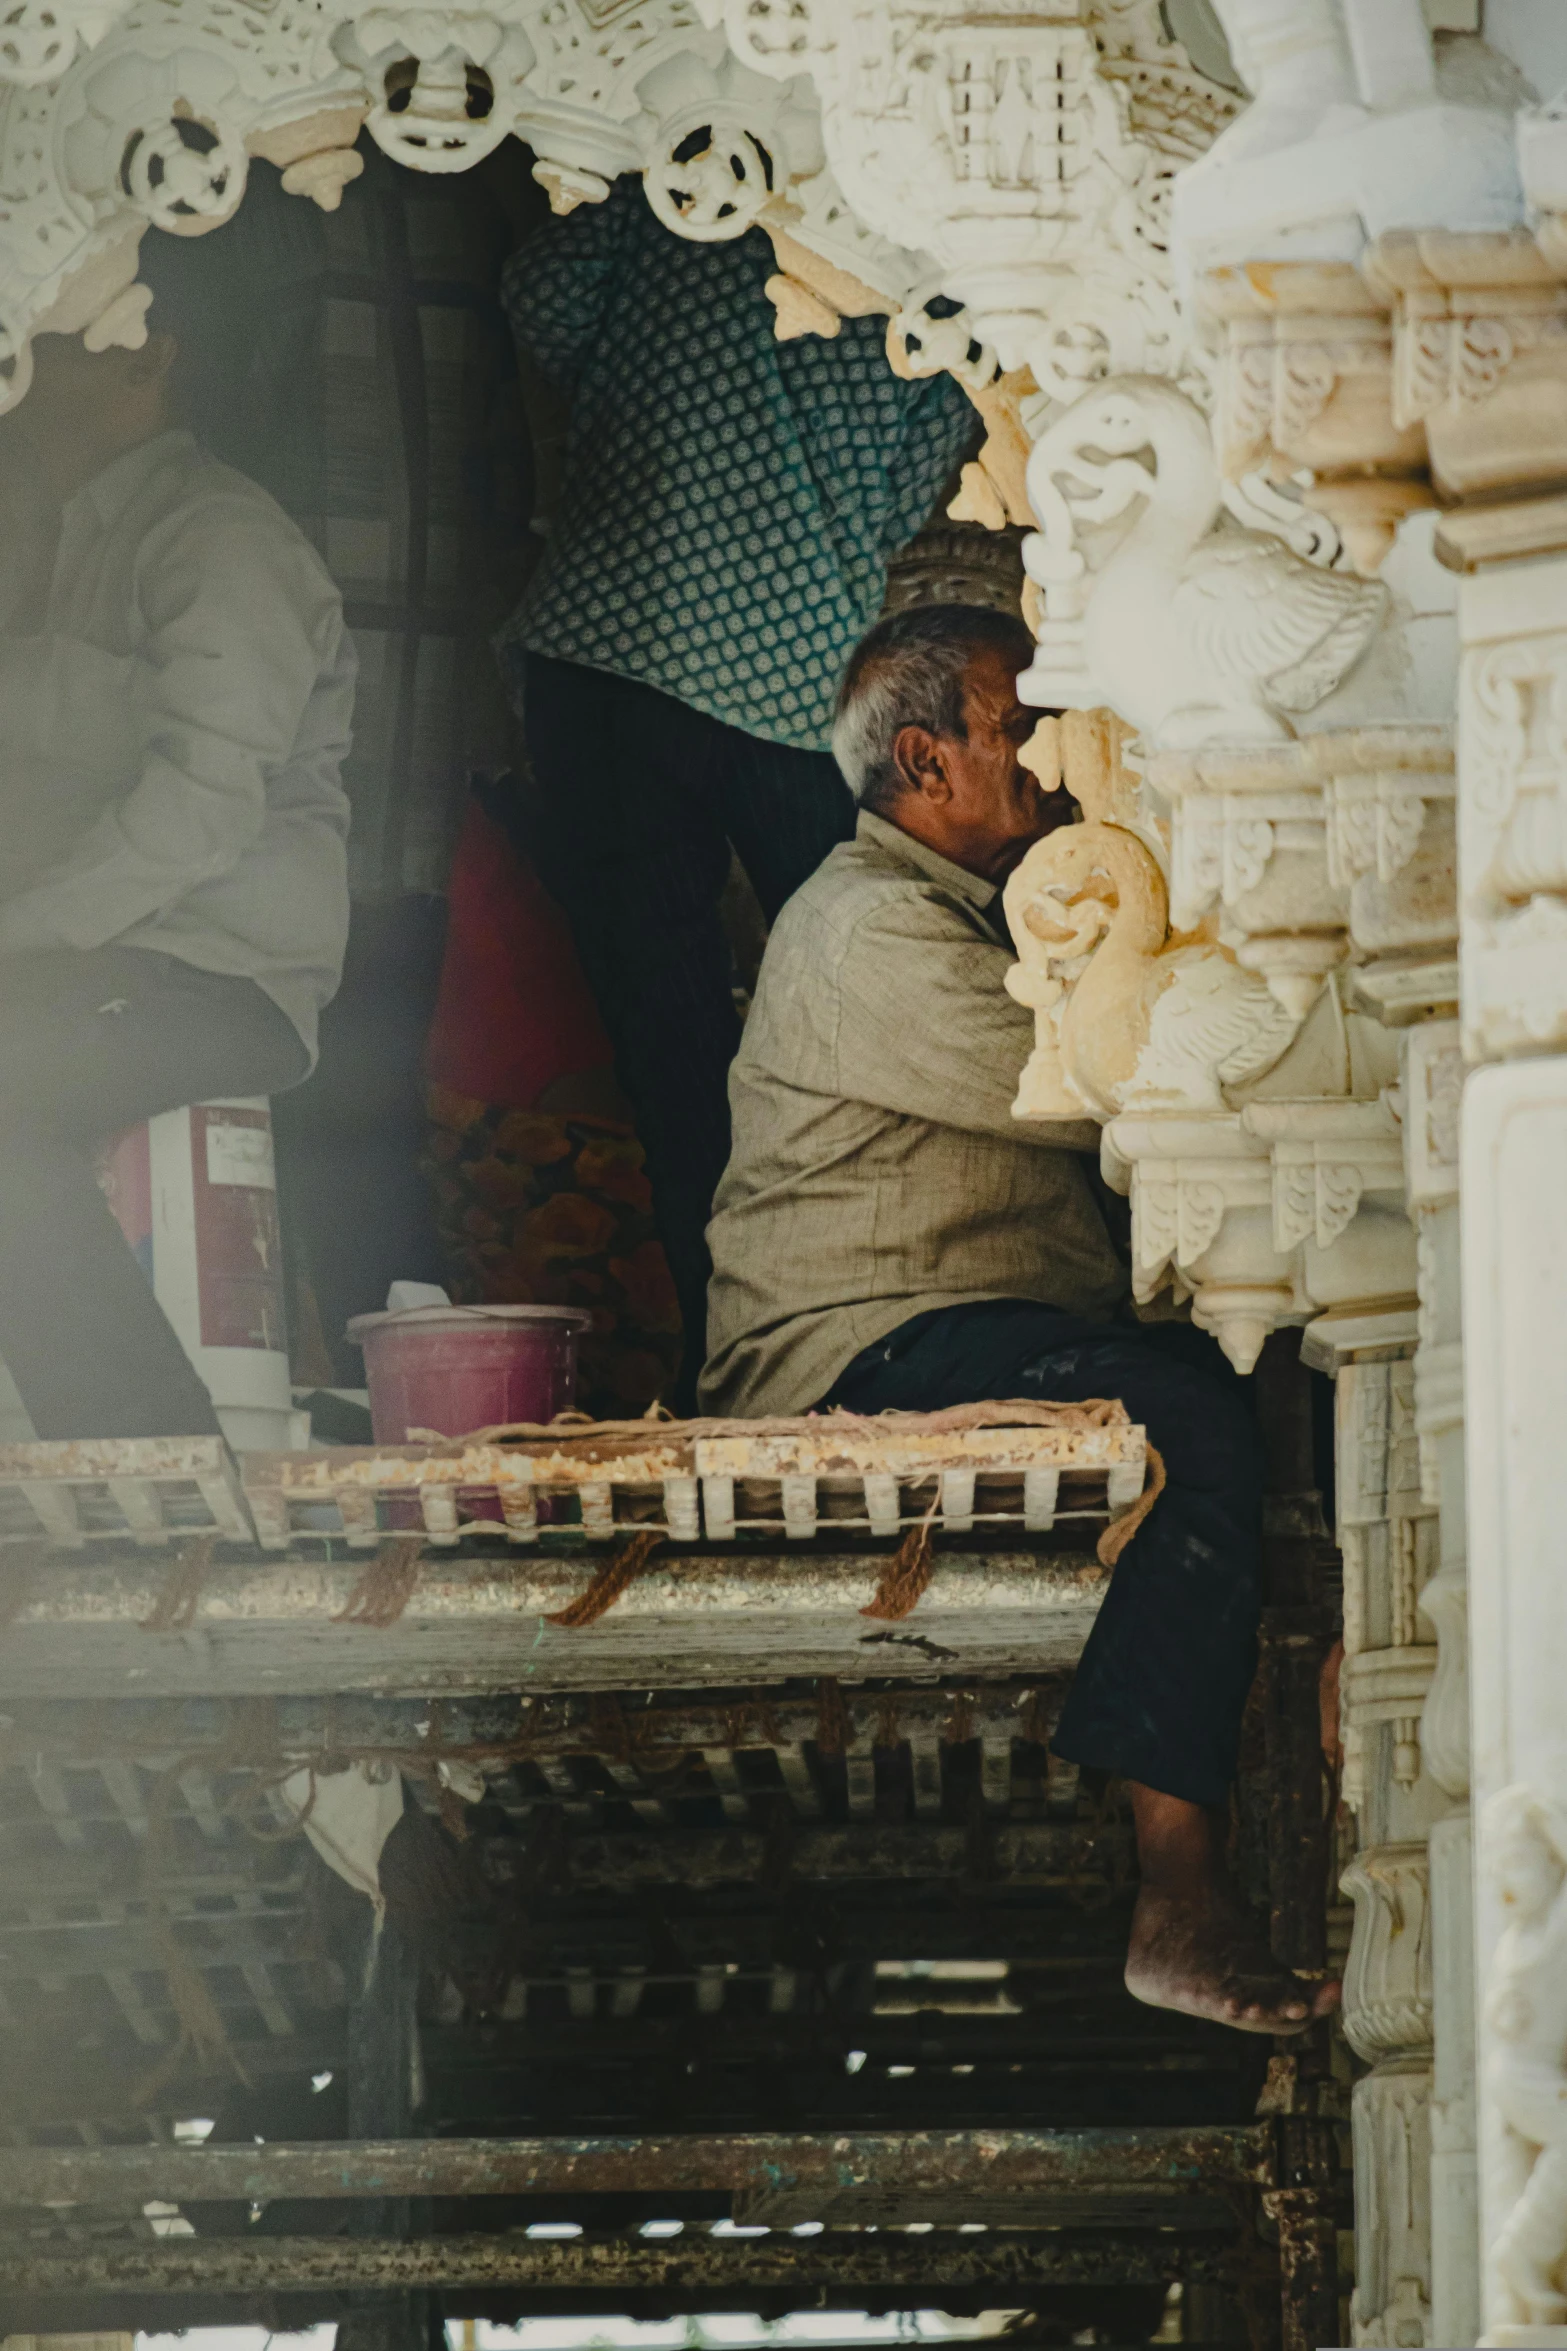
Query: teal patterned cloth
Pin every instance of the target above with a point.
(730, 501)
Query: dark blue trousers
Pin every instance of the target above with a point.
(1163, 1681)
(91, 1042)
(640, 801)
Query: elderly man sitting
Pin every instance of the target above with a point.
(888, 1235)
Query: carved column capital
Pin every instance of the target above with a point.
(1479, 354)
(1305, 360)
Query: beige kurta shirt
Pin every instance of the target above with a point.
(877, 1170)
(173, 716)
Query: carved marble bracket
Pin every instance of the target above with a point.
(1479, 354)
(1305, 364)
(1312, 852)
(1434, 367)
(1202, 1211)
(1265, 1216)
(1329, 1158)
(1388, 1985)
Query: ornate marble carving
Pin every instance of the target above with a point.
(1314, 850)
(1479, 353)
(1264, 1210)
(1455, 2237)
(1191, 630)
(1388, 1536)
(158, 119)
(1431, 1095)
(1387, 1986)
(1390, 2117)
(1305, 352)
(1030, 153)
(1542, 166)
(1513, 824)
(1515, 1245)
(1350, 133)
(1526, 2072)
(1145, 1022)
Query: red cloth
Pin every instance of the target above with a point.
(514, 1013)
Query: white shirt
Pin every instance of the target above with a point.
(170, 737)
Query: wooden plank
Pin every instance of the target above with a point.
(156, 1732)
(925, 1758)
(1172, 2160)
(140, 1507)
(724, 1773)
(881, 2265)
(54, 1507)
(995, 1773)
(480, 1624)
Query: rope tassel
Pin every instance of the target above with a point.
(386, 1585)
(175, 1607)
(1120, 1531)
(906, 1577)
(611, 1578)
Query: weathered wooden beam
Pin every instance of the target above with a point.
(589, 1861)
(480, 1624)
(157, 1730)
(1045, 1853)
(900, 2265)
(913, 2162)
(1092, 2026)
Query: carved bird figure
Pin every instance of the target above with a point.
(1124, 1018)
(1193, 631)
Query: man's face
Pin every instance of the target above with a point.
(84, 401)
(70, 385)
(997, 804)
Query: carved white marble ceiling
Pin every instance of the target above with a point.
(1018, 157)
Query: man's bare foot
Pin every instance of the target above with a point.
(1204, 1957)
(1194, 1946)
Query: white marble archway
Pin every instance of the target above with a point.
(1361, 282)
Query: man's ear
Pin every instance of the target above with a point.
(921, 763)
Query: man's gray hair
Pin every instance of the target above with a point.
(908, 672)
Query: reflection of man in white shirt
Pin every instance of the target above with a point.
(175, 693)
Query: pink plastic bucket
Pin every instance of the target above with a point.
(460, 1368)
